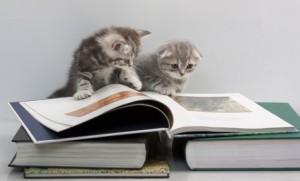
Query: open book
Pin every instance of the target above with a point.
(118, 110)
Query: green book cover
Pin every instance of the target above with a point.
(282, 110)
(152, 168)
(287, 159)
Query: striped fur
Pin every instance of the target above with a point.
(105, 57)
(167, 70)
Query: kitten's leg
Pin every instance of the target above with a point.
(163, 89)
(84, 87)
(121, 62)
(129, 77)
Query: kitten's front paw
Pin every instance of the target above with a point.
(133, 82)
(130, 79)
(136, 84)
(166, 91)
(82, 94)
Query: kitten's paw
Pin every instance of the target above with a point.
(82, 94)
(130, 79)
(166, 91)
(134, 83)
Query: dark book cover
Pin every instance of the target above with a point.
(22, 136)
(150, 140)
(117, 123)
(282, 110)
(287, 156)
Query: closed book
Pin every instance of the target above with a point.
(251, 152)
(115, 152)
(151, 169)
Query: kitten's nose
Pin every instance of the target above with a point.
(181, 73)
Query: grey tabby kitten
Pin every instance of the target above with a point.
(167, 70)
(101, 59)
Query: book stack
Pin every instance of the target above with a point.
(107, 131)
(124, 156)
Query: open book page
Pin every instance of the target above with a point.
(180, 114)
(63, 113)
(185, 112)
(220, 113)
(44, 121)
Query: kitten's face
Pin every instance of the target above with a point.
(121, 43)
(178, 59)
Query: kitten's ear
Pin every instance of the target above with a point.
(143, 33)
(164, 51)
(197, 54)
(120, 46)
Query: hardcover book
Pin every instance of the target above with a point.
(252, 152)
(127, 151)
(152, 169)
(119, 110)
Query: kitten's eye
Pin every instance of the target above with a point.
(189, 66)
(174, 66)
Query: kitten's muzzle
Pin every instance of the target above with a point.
(122, 62)
(128, 62)
(181, 73)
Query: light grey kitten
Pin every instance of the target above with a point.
(101, 59)
(167, 70)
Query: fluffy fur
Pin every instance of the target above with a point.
(167, 70)
(101, 59)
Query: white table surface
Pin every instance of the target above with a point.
(178, 172)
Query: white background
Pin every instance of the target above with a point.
(250, 46)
